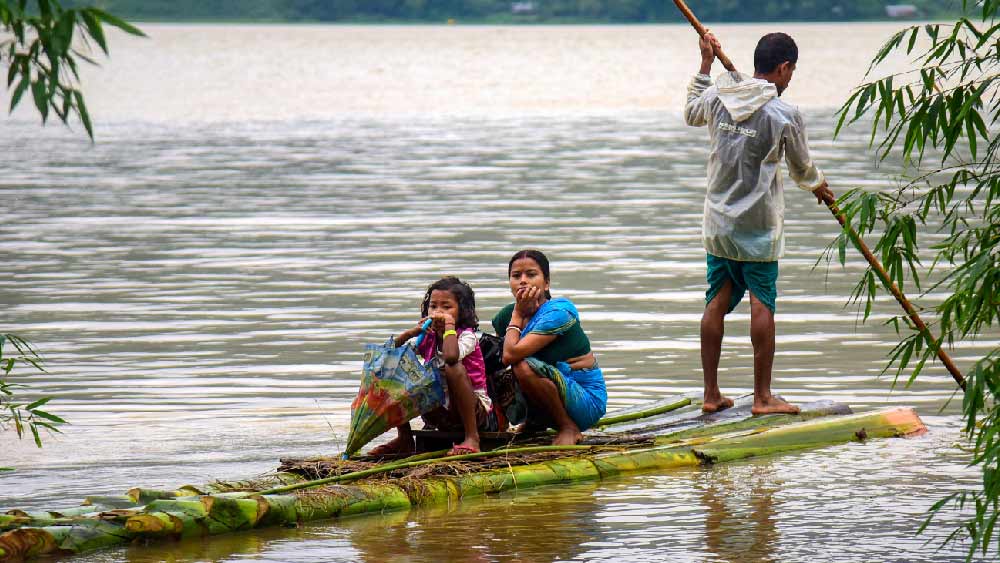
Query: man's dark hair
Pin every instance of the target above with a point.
(772, 50)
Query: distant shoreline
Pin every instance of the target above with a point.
(504, 22)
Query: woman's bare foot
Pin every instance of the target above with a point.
(709, 406)
(398, 446)
(773, 405)
(567, 437)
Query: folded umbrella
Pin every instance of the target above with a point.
(396, 386)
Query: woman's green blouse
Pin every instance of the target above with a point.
(570, 340)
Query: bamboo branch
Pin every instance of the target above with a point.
(644, 413)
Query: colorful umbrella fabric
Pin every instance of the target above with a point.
(396, 387)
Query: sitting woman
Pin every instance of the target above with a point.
(558, 376)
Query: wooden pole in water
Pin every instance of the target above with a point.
(831, 203)
(911, 312)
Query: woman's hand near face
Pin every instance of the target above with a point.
(527, 301)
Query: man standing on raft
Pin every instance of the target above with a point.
(750, 130)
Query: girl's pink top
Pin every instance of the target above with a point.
(469, 353)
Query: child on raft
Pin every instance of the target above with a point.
(452, 346)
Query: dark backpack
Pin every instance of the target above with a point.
(492, 348)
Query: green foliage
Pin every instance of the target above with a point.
(24, 417)
(940, 119)
(41, 45)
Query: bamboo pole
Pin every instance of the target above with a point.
(896, 422)
(831, 203)
(108, 502)
(141, 496)
(408, 464)
(664, 407)
(883, 276)
(702, 31)
(749, 422)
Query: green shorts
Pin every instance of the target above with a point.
(760, 278)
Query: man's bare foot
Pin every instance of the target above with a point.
(709, 406)
(773, 405)
(567, 437)
(397, 446)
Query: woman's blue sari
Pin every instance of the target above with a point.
(582, 391)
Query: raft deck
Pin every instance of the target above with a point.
(666, 434)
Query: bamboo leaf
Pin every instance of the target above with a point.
(71, 63)
(41, 98)
(48, 426)
(988, 35)
(38, 403)
(94, 28)
(49, 416)
(913, 39)
(45, 9)
(970, 133)
(63, 32)
(117, 22)
(18, 425)
(904, 359)
(81, 108)
(19, 91)
(12, 73)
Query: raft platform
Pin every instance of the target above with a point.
(652, 437)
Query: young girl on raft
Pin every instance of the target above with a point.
(452, 346)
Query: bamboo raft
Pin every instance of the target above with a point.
(663, 435)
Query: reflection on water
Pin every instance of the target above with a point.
(740, 523)
(202, 291)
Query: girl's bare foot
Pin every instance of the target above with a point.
(469, 446)
(773, 405)
(397, 446)
(709, 406)
(567, 437)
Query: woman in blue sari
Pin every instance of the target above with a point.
(560, 383)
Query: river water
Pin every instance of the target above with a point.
(262, 201)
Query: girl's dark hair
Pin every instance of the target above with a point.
(538, 257)
(772, 50)
(463, 294)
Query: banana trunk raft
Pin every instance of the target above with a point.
(668, 434)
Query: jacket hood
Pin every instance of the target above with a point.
(742, 94)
